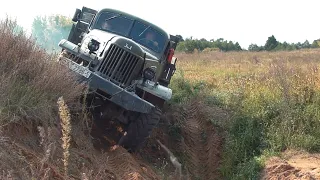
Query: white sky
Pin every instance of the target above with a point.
(243, 21)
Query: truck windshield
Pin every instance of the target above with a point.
(141, 33)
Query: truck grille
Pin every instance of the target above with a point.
(118, 66)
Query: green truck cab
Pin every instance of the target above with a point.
(127, 63)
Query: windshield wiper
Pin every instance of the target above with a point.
(113, 17)
(144, 30)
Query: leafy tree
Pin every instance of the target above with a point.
(271, 43)
(39, 25)
(220, 40)
(255, 48)
(298, 45)
(181, 46)
(49, 30)
(187, 46)
(315, 44)
(237, 47)
(285, 45)
(306, 44)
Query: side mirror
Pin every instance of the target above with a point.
(76, 15)
(174, 40)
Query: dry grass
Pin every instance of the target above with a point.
(33, 143)
(30, 80)
(218, 68)
(65, 117)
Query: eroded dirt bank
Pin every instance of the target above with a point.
(293, 165)
(33, 151)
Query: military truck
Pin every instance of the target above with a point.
(127, 63)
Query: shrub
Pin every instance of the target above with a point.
(31, 81)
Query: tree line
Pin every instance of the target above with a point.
(189, 45)
(273, 45)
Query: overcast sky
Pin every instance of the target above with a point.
(243, 21)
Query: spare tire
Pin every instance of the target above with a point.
(139, 129)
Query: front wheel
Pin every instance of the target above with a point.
(139, 129)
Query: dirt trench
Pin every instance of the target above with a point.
(189, 133)
(198, 148)
(202, 144)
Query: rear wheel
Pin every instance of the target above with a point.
(140, 129)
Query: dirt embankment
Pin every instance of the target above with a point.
(293, 166)
(28, 152)
(37, 152)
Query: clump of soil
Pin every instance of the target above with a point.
(293, 165)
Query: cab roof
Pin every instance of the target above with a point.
(135, 18)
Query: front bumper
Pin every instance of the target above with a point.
(128, 100)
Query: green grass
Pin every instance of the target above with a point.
(274, 102)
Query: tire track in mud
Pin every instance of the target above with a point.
(127, 166)
(202, 144)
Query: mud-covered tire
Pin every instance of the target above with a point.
(140, 129)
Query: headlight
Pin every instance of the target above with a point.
(149, 74)
(93, 45)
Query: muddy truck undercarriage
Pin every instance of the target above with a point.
(127, 64)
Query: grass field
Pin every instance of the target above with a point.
(273, 98)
